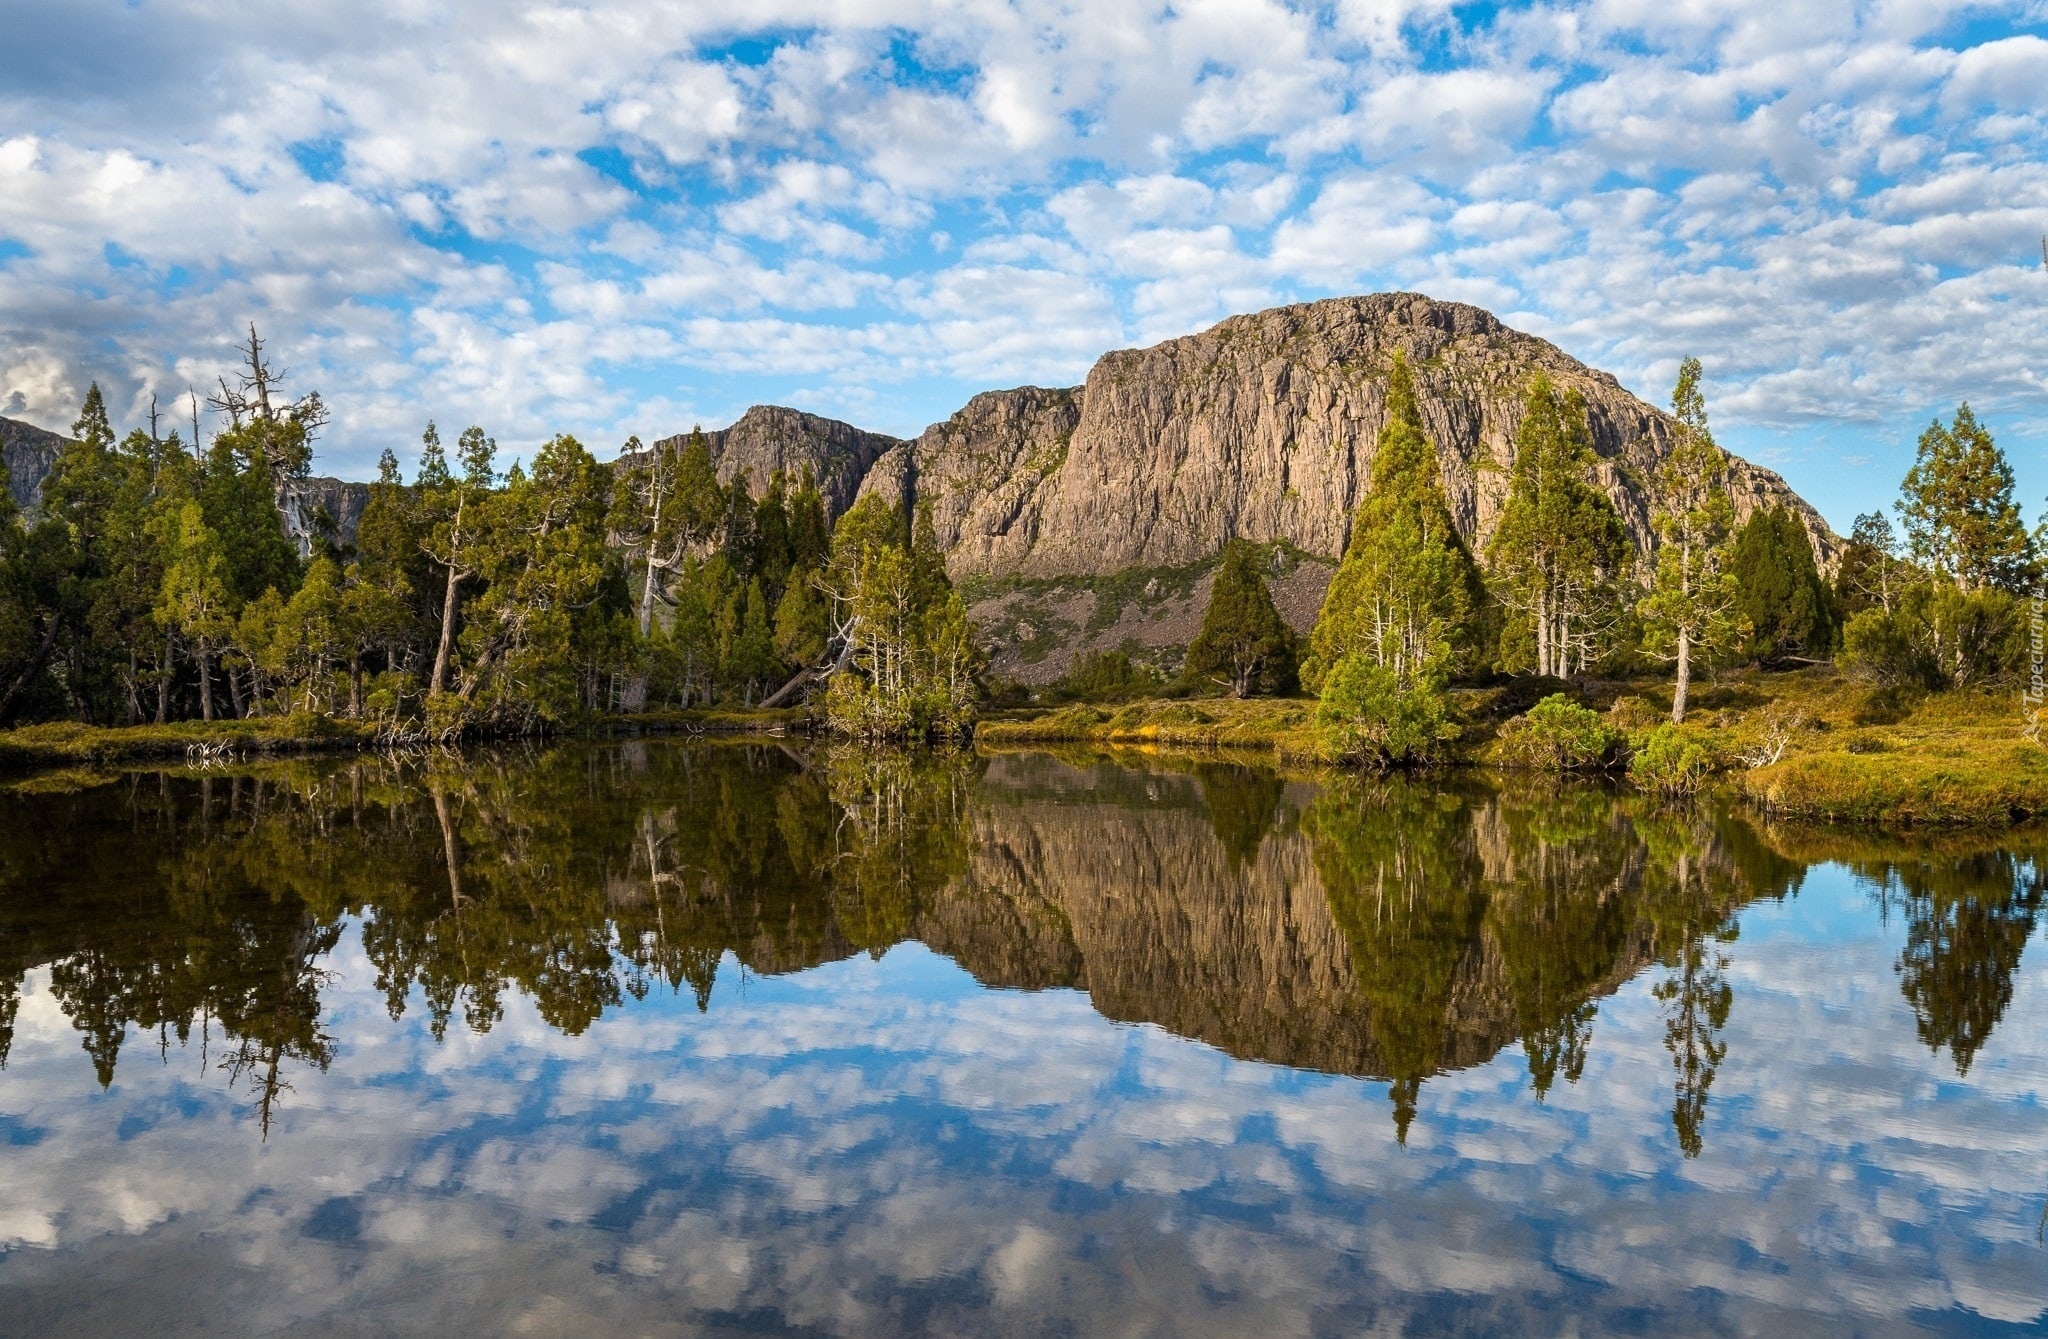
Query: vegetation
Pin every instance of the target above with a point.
(1559, 735)
(1244, 644)
(159, 581)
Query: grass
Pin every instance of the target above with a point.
(1809, 745)
(1278, 726)
(70, 744)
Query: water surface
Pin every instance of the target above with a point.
(667, 1038)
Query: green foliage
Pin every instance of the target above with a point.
(1869, 574)
(1781, 606)
(1939, 637)
(1958, 508)
(910, 666)
(1368, 715)
(1244, 644)
(1686, 608)
(1559, 548)
(1559, 735)
(1672, 761)
(1108, 676)
(1407, 594)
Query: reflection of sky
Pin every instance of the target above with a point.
(881, 1146)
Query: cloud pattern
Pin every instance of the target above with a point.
(614, 218)
(880, 1146)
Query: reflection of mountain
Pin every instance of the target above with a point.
(1385, 930)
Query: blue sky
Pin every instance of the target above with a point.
(625, 218)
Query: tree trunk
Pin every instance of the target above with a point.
(235, 693)
(205, 684)
(355, 684)
(163, 683)
(1543, 632)
(647, 593)
(1684, 677)
(134, 697)
(440, 680)
(33, 668)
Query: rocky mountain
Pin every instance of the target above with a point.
(1263, 427)
(29, 452)
(768, 438)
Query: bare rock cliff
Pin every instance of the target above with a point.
(1263, 427)
(28, 452)
(768, 438)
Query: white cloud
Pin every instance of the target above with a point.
(637, 204)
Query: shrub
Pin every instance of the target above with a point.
(1672, 760)
(1108, 676)
(1938, 637)
(1367, 715)
(1632, 716)
(1559, 734)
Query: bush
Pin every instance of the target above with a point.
(1368, 716)
(1632, 716)
(1672, 760)
(1938, 637)
(1559, 734)
(1108, 676)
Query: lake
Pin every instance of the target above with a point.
(705, 1038)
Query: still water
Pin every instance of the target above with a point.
(675, 1038)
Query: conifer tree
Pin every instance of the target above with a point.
(1559, 546)
(1960, 517)
(1870, 575)
(1244, 643)
(1781, 605)
(195, 599)
(1686, 607)
(1407, 592)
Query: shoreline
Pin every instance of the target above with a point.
(1952, 761)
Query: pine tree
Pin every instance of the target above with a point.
(1958, 508)
(1870, 575)
(195, 600)
(1406, 594)
(1686, 608)
(1781, 605)
(1244, 643)
(1559, 546)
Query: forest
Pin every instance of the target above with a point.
(157, 582)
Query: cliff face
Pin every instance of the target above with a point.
(1263, 428)
(29, 452)
(768, 438)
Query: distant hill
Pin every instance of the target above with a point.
(29, 452)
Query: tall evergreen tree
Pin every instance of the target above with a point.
(1781, 606)
(1407, 592)
(1244, 644)
(1686, 608)
(1559, 546)
(1958, 508)
(1869, 575)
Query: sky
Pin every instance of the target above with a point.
(614, 219)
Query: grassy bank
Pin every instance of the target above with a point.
(1280, 727)
(60, 744)
(1810, 744)
(67, 743)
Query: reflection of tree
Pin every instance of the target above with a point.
(1395, 861)
(1692, 890)
(10, 1006)
(1241, 802)
(1968, 921)
(1696, 998)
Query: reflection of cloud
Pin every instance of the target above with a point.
(878, 1147)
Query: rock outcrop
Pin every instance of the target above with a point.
(29, 452)
(1263, 427)
(768, 438)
